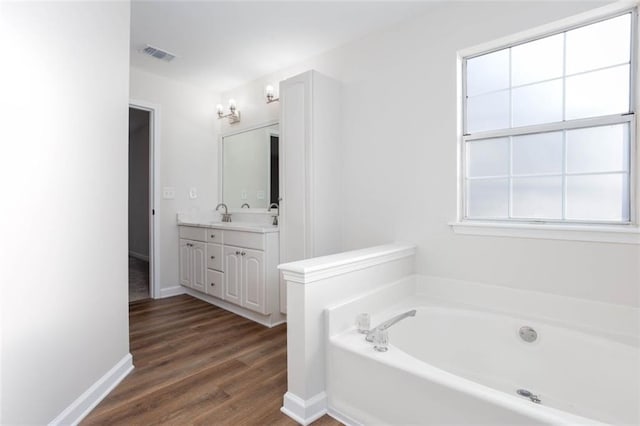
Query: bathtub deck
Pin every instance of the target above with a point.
(199, 364)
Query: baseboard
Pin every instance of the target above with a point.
(78, 410)
(284, 321)
(238, 310)
(139, 256)
(172, 291)
(342, 418)
(304, 411)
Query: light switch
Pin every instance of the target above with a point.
(168, 193)
(243, 194)
(260, 195)
(193, 193)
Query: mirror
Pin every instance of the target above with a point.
(250, 168)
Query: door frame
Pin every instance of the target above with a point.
(154, 192)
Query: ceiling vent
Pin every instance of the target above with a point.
(158, 53)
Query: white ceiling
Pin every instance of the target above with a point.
(222, 44)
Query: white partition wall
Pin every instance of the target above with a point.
(310, 171)
(312, 286)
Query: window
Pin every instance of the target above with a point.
(548, 128)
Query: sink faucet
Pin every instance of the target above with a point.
(226, 216)
(389, 323)
(275, 216)
(245, 204)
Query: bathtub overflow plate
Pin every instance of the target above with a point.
(528, 394)
(528, 334)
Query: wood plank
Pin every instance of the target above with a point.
(199, 364)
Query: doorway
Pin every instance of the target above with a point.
(142, 135)
(139, 142)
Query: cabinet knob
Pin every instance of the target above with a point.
(243, 253)
(213, 235)
(237, 252)
(213, 257)
(212, 284)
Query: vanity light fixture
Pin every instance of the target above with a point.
(234, 114)
(270, 93)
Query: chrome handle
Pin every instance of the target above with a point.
(237, 252)
(243, 253)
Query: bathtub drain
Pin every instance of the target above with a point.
(528, 334)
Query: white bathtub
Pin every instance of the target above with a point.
(452, 365)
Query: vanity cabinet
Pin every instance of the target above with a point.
(236, 268)
(310, 171)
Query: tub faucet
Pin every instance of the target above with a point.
(245, 205)
(275, 216)
(226, 216)
(389, 323)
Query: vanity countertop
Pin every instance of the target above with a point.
(232, 226)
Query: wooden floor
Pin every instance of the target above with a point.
(199, 364)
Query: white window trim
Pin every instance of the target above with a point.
(619, 233)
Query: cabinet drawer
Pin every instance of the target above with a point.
(193, 233)
(214, 256)
(252, 240)
(214, 236)
(215, 281)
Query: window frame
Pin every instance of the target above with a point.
(629, 118)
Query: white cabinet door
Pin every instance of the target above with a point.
(232, 275)
(185, 262)
(199, 265)
(253, 280)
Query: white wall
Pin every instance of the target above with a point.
(188, 157)
(139, 183)
(399, 131)
(63, 167)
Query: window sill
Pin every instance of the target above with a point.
(622, 234)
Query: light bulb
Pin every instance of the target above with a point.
(269, 90)
(232, 103)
